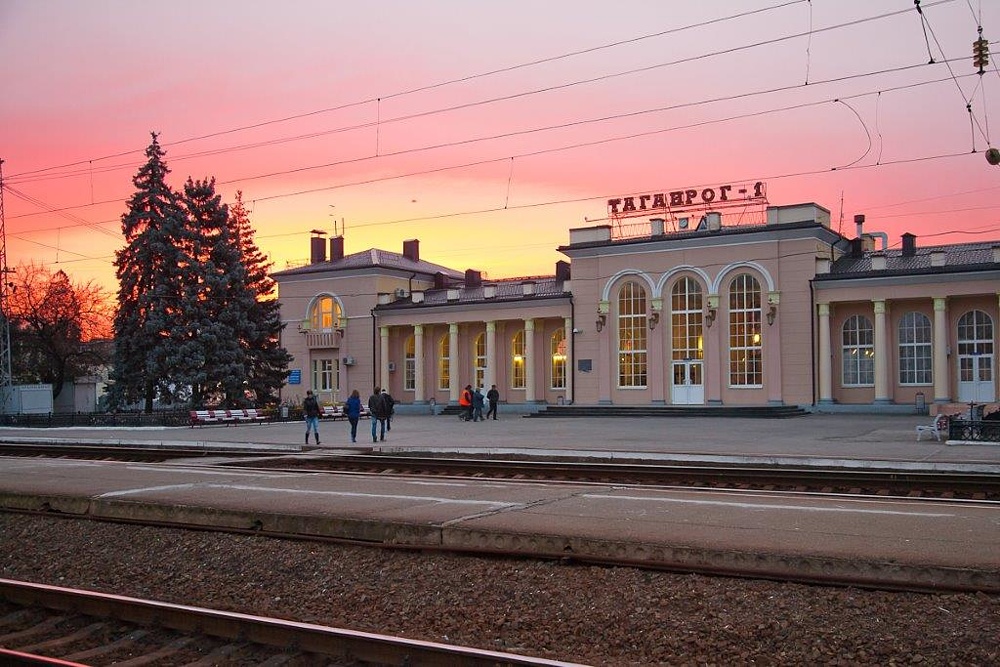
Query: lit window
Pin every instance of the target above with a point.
(631, 336)
(410, 365)
(558, 351)
(686, 320)
(324, 374)
(325, 314)
(517, 361)
(746, 368)
(444, 363)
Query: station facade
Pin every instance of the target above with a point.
(782, 311)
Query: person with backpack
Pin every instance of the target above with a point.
(390, 404)
(493, 396)
(377, 408)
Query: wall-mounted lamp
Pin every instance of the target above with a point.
(339, 331)
(709, 317)
(654, 318)
(601, 319)
(772, 312)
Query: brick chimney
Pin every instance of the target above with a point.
(317, 250)
(411, 250)
(473, 278)
(909, 245)
(336, 248)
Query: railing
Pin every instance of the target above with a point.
(318, 339)
(975, 430)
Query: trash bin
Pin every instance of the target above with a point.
(921, 402)
(284, 413)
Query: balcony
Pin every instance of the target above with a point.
(323, 339)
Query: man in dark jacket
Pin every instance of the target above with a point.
(377, 408)
(493, 396)
(390, 408)
(310, 408)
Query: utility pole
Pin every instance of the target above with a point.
(6, 381)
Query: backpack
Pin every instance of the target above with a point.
(381, 407)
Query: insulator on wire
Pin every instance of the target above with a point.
(981, 53)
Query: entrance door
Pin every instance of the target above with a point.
(688, 387)
(975, 358)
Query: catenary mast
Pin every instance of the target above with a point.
(6, 383)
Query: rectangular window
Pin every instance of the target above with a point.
(323, 375)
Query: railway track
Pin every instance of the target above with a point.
(863, 482)
(42, 624)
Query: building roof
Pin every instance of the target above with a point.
(506, 290)
(373, 258)
(958, 258)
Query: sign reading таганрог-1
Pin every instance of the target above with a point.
(691, 198)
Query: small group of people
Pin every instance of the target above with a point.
(472, 401)
(381, 407)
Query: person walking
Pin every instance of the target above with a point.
(477, 405)
(493, 396)
(465, 403)
(352, 408)
(310, 408)
(376, 406)
(390, 406)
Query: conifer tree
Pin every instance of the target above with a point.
(150, 270)
(267, 360)
(208, 356)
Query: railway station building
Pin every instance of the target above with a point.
(678, 299)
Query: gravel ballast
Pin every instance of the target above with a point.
(588, 614)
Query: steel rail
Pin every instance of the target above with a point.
(302, 637)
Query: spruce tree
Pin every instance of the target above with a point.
(150, 270)
(208, 356)
(267, 360)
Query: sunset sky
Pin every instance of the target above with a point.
(488, 129)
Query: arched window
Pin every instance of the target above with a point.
(557, 349)
(686, 320)
(858, 348)
(915, 365)
(444, 363)
(325, 314)
(517, 361)
(479, 355)
(746, 366)
(631, 335)
(410, 364)
(975, 357)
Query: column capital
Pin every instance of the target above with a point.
(879, 305)
(529, 324)
(418, 329)
(491, 326)
(383, 331)
(940, 303)
(453, 327)
(824, 309)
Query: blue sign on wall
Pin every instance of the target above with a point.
(295, 376)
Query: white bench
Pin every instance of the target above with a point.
(939, 426)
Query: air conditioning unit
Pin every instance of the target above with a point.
(348, 361)
(400, 292)
(392, 366)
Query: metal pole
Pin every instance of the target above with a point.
(6, 382)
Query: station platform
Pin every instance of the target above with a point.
(840, 440)
(869, 540)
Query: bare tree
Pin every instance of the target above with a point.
(57, 327)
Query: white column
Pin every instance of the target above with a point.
(568, 330)
(881, 353)
(419, 392)
(529, 361)
(384, 356)
(490, 376)
(825, 356)
(454, 382)
(941, 380)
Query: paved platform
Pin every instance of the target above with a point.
(867, 539)
(818, 440)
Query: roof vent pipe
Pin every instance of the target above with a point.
(859, 221)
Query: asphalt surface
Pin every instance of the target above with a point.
(817, 439)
